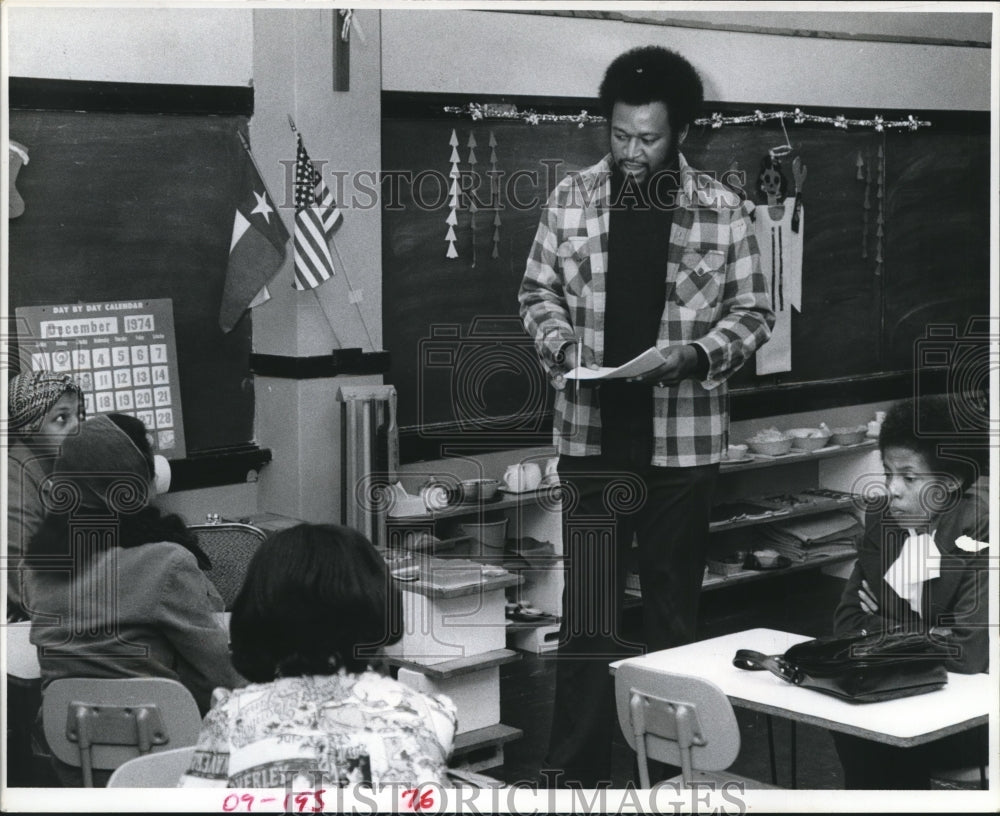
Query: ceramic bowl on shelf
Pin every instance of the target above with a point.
(849, 436)
(770, 447)
(808, 439)
(479, 489)
(737, 453)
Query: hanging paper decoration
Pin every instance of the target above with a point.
(496, 235)
(490, 110)
(473, 209)
(781, 258)
(866, 207)
(799, 174)
(861, 167)
(495, 180)
(880, 220)
(452, 219)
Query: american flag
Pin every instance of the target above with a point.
(316, 214)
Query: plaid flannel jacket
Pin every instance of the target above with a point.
(716, 297)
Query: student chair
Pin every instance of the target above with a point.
(229, 546)
(162, 770)
(98, 723)
(680, 720)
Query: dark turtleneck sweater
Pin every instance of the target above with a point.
(638, 241)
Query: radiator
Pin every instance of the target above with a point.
(370, 446)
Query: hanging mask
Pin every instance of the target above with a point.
(771, 182)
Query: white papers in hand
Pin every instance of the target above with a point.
(649, 360)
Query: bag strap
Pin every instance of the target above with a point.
(750, 660)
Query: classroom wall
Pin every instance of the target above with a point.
(184, 46)
(474, 52)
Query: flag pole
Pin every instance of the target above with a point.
(350, 289)
(253, 160)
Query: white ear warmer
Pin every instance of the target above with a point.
(161, 481)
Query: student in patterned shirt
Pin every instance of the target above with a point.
(306, 628)
(637, 251)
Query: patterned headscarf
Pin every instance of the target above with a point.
(30, 396)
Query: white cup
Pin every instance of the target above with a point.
(523, 477)
(551, 471)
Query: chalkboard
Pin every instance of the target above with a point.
(857, 322)
(131, 207)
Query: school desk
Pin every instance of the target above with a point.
(962, 704)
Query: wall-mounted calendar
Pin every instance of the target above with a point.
(123, 355)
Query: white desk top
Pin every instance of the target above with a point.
(22, 656)
(963, 703)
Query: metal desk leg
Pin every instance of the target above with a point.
(770, 749)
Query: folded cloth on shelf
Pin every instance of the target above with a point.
(814, 536)
(530, 548)
(813, 530)
(738, 511)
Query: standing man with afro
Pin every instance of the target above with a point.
(640, 250)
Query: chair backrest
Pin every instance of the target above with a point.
(675, 718)
(98, 723)
(162, 770)
(22, 655)
(230, 546)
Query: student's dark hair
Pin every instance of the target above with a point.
(652, 73)
(927, 426)
(135, 430)
(317, 598)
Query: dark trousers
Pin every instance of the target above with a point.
(870, 765)
(604, 505)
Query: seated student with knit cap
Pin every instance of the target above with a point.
(132, 600)
(42, 408)
(307, 626)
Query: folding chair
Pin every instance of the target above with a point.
(229, 546)
(162, 770)
(98, 724)
(680, 720)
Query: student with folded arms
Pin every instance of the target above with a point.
(923, 565)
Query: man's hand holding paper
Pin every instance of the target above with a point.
(653, 367)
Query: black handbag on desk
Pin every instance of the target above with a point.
(862, 668)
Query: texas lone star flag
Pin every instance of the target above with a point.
(257, 249)
(316, 214)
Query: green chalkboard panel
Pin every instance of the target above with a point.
(132, 207)
(859, 323)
